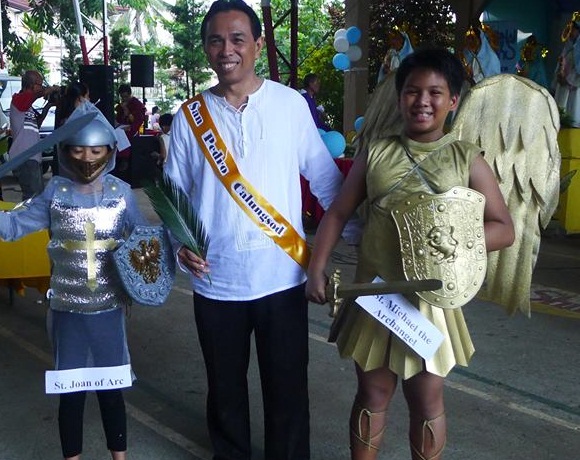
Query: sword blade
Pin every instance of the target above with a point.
(391, 287)
(57, 136)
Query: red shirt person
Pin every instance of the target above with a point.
(25, 123)
(130, 112)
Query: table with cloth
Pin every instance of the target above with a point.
(310, 206)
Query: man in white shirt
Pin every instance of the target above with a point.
(257, 251)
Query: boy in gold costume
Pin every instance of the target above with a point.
(425, 159)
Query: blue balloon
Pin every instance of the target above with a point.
(358, 123)
(341, 61)
(321, 131)
(335, 143)
(353, 34)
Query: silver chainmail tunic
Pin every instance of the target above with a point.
(82, 241)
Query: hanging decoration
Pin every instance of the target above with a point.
(347, 50)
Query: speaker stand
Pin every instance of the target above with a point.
(146, 119)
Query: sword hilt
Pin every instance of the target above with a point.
(337, 292)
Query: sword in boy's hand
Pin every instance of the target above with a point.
(336, 291)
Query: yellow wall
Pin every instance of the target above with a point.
(568, 212)
(25, 258)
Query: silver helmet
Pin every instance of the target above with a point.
(94, 134)
(97, 133)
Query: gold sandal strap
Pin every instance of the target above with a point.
(370, 438)
(427, 424)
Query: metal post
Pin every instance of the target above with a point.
(105, 34)
(80, 30)
(1, 42)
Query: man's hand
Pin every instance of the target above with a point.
(196, 265)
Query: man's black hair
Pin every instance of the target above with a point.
(438, 60)
(220, 6)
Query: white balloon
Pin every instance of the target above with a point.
(340, 33)
(341, 44)
(354, 53)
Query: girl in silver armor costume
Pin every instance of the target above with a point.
(88, 212)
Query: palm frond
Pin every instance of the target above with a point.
(173, 207)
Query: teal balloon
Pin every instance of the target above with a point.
(341, 61)
(335, 143)
(358, 123)
(353, 34)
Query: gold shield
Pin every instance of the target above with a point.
(442, 237)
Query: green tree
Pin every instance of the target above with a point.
(318, 60)
(57, 17)
(142, 18)
(314, 27)
(120, 54)
(27, 54)
(9, 38)
(429, 22)
(188, 54)
(71, 60)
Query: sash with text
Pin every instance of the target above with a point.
(252, 203)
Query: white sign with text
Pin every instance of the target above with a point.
(403, 319)
(88, 379)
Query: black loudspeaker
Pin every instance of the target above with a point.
(99, 79)
(142, 70)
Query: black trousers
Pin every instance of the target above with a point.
(280, 325)
(70, 420)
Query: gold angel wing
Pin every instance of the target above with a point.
(516, 123)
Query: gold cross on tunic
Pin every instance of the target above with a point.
(91, 246)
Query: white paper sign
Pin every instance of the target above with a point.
(122, 139)
(88, 379)
(403, 319)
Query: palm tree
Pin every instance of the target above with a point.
(141, 17)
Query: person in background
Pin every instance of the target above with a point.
(423, 159)
(25, 124)
(154, 119)
(165, 121)
(130, 115)
(71, 96)
(258, 136)
(311, 85)
(130, 112)
(87, 301)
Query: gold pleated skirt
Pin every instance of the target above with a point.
(361, 337)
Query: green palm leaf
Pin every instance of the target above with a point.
(173, 207)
